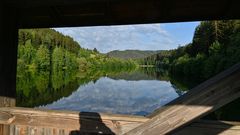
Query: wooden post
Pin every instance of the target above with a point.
(4, 129)
(205, 98)
(8, 50)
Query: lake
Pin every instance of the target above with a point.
(137, 92)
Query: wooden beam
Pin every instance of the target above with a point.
(39, 13)
(41, 3)
(6, 118)
(206, 127)
(52, 122)
(205, 98)
(70, 121)
(8, 50)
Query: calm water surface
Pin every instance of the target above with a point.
(118, 96)
(138, 93)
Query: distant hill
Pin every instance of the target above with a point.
(131, 54)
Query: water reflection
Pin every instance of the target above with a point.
(127, 92)
(118, 96)
(135, 93)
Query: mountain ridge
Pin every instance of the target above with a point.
(132, 54)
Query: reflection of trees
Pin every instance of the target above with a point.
(36, 88)
(57, 79)
(24, 81)
(152, 73)
(40, 87)
(42, 79)
(229, 112)
(160, 74)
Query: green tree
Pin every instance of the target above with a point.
(58, 59)
(42, 57)
(95, 50)
(28, 53)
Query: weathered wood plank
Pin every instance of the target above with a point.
(205, 98)
(205, 127)
(4, 129)
(70, 121)
(48, 122)
(7, 102)
(69, 114)
(6, 118)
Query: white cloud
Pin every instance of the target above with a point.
(108, 38)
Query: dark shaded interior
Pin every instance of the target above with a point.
(60, 13)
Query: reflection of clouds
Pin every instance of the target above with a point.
(108, 38)
(118, 96)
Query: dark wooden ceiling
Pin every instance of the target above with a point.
(61, 13)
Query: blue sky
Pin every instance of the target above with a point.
(162, 36)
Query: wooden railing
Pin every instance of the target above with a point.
(47, 122)
(70, 122)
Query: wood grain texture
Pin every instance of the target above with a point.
(48, 122)
(205, 98)
(68, 121)
(4, 129)
(205, 127)
(7, 102)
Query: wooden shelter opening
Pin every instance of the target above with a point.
(215, 93)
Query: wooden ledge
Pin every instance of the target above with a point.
(6, 118)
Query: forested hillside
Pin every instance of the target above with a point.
(47, 48)
(51, 64)
(131, 54)
(215, 47)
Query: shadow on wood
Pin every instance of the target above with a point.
(93, 125)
